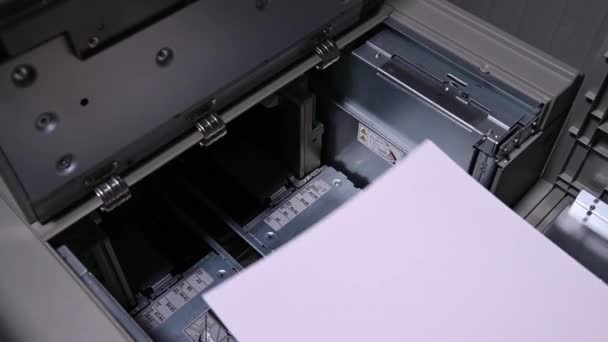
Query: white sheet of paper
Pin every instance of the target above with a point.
(424, 254)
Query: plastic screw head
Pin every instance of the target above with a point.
(93, 42)
(46, 122)
(164, 57)
(23, 75)
(64, 163)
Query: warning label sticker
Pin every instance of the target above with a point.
(297, 204)
(379, 145)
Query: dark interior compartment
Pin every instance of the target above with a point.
(183, 211)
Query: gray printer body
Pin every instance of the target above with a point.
(140, 170)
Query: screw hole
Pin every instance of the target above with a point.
(66, 164)
(84, 102)
(164, 57)
(24, 75)
(93, 42)
(46, 122)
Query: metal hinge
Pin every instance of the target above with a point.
(113, 192)
(211, 127)
(329, 52)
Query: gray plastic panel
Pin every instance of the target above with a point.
(575, 32)
(496, 53)
(570, 30)
(52, 228)
(580, 157)
(100, 106)
(104, 297)
(506, 59)
(40, 299)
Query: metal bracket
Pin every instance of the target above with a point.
(591, 212)
(520, 136)
(329, 52)
(298, 183)
(113, 192)
(211, 127)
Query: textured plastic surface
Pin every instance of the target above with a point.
(448, 277)
(571, 30)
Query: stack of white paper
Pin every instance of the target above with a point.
(424, 254)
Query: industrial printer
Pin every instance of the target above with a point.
(149, 150)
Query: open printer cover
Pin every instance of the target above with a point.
(158, 148)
